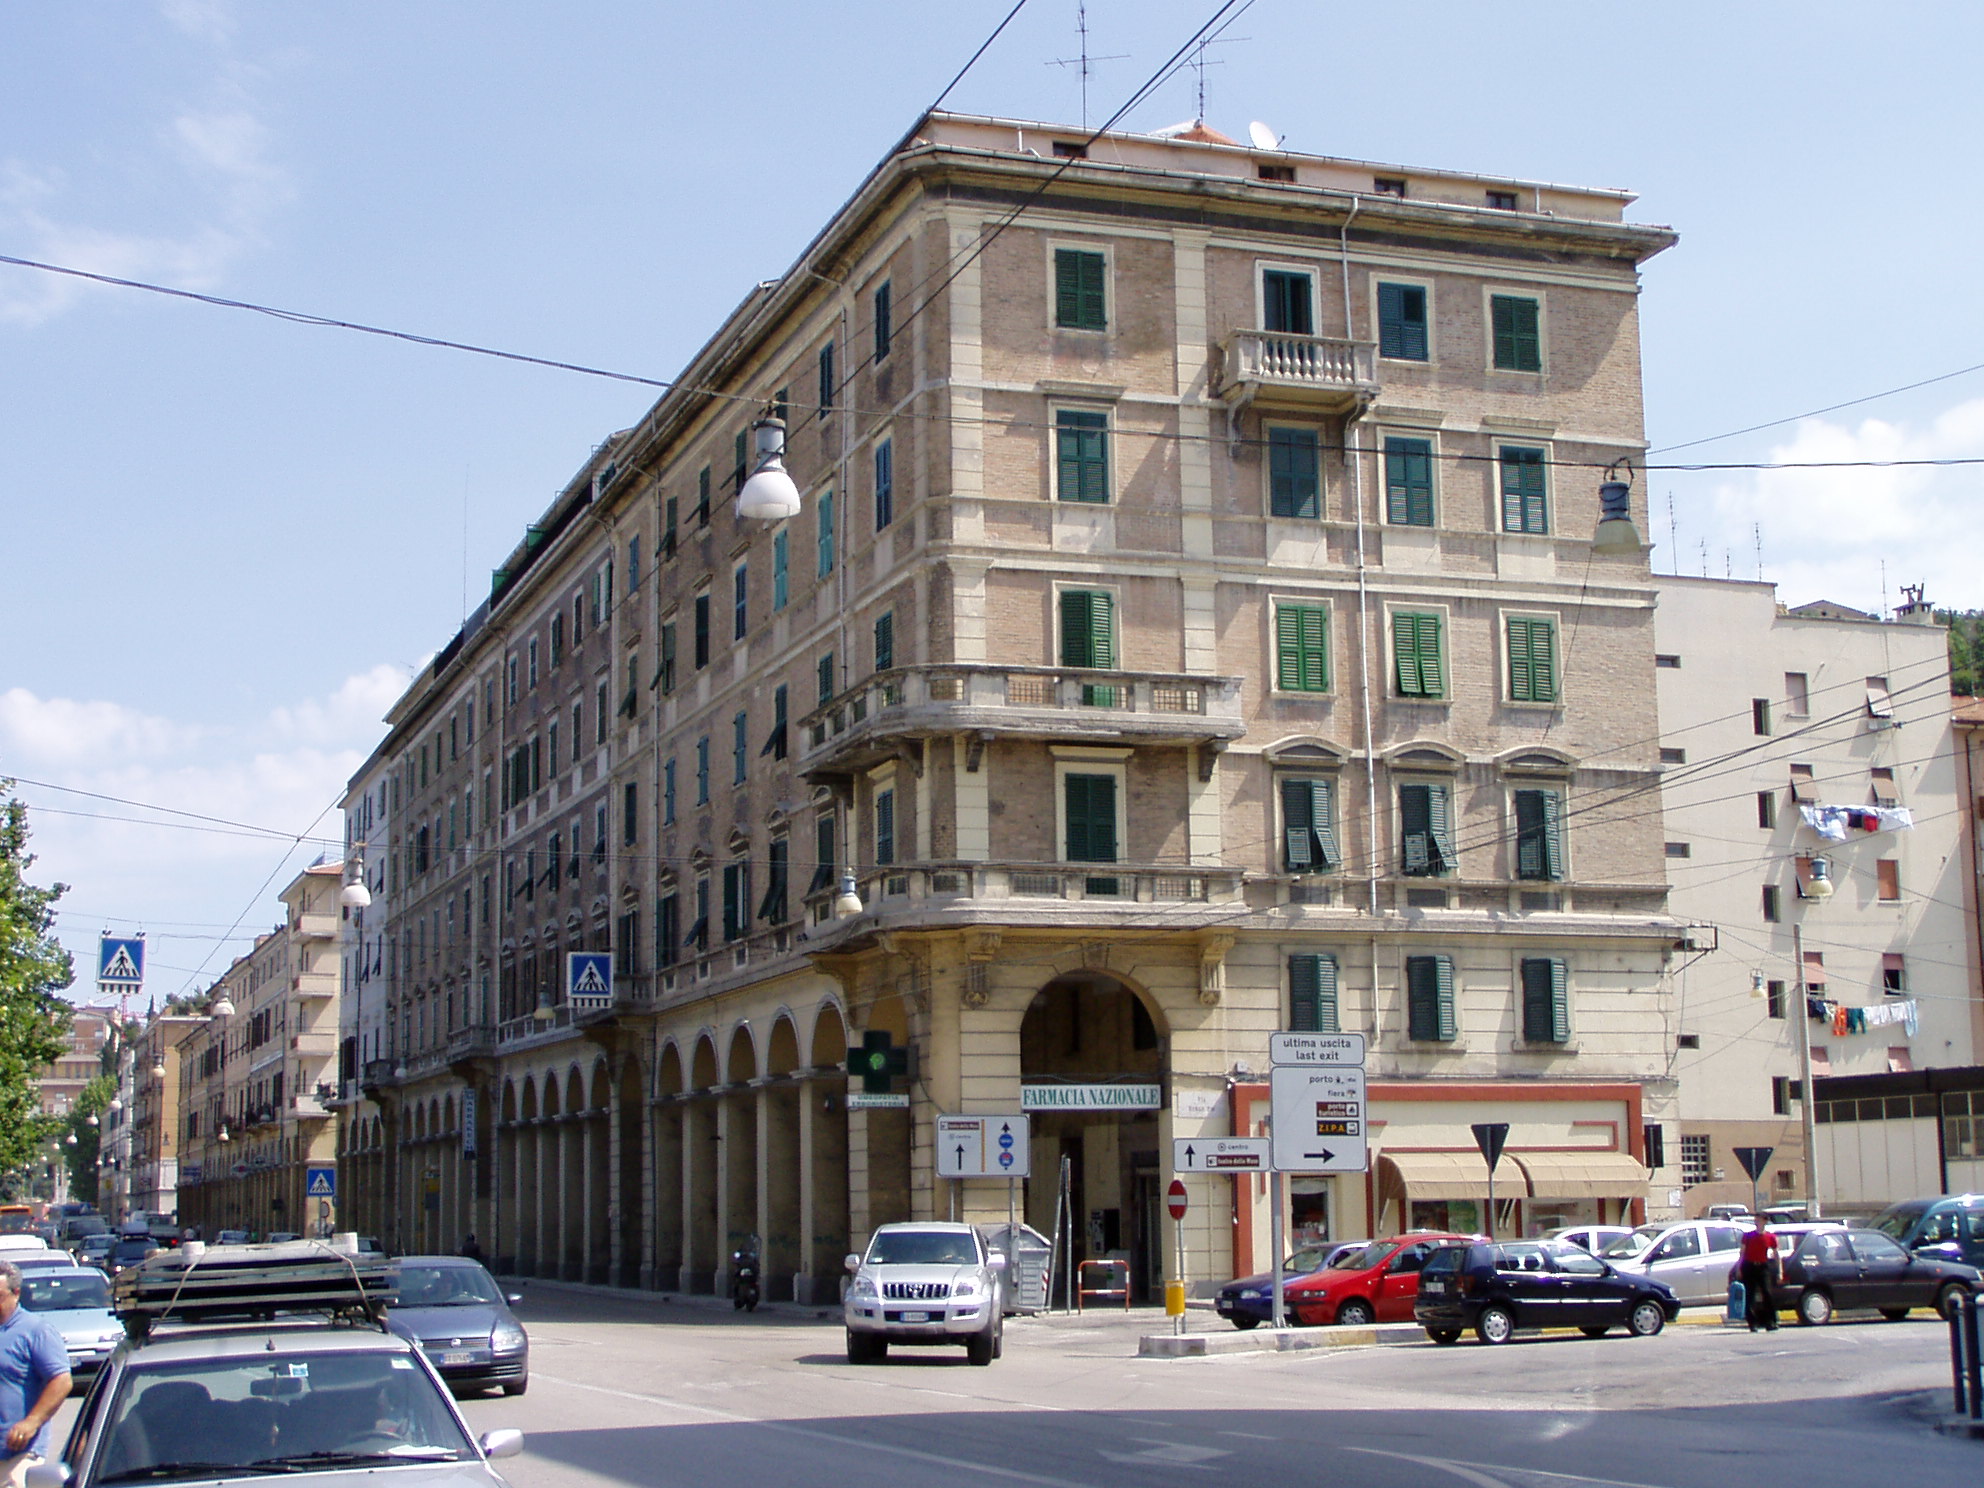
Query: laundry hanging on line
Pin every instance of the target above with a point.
(1837, 823)
(1843, 1020)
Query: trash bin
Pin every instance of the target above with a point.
(1029, 1265)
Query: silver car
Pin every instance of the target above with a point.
(1694, 1257)
(925, 1284)
(454, 1310)
(76, 1300)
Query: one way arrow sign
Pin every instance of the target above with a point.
(983, 1146)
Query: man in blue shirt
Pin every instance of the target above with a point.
(34, 1379)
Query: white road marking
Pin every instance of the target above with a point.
(1477, 1472)
(1250, 1435)
(1169, 1454)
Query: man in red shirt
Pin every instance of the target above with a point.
(1759, 1257)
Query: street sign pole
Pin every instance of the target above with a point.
(1490, 1136)
(1274, 1243)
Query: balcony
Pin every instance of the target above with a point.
(310, 1105)
(475, 1042)
(314, 1041)
(1036, 889)
(863, 725)
(314, 984)
(1313, 374)
(315, 927)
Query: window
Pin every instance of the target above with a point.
(1286, 302)
(1081, 456)
(823, 853)
(1774, 999)
(1266, 172)
(1772, 908)
(1803, 791)
(557, 655)
(703, 771)
(1539, 835)
(1402, 322)
(1797, 695)
(1312, 983)
(736, 900)
(1887, 877)
(633, 563)
(665, 676)
(1670, 756)
(630, 819)
(1079, 287)
(1882, 780)
(1408, 481)
(667, 916)
(1694, 1158)
(1879, 703)
(740, 460)
(1766, 809)
(699, 932)
(530, 665)
(1894, 974)
(510, 682)
(1425, 814)
(1388, 185)
(1671, 663)
(702, 513)
(775, 742)
(827, 378)
(1294, 473)
(1680, 850)
(1783, 1091)
(1091, 813)
(1308, 823)
(740, 591)
(825, 542)
(885, 641)
(884, 319)
(1302, 647)
(1070, 150)
(1502, 201)
(740, 745)
(1546, 1001)
(1429, 999)
(885, 483)
(1760, 716)
(1088, 638)
(668, 793)
(702, 631)
(1417, 666)
(885, 825)
(773, 906)
(824, 672)
(668, 525)
(1525, 502)
(1517, 331)
(780, 559)
(1532, 659)
(551, 746)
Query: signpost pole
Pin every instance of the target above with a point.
(1274, 1243)
(1178, 1322)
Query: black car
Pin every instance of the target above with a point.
(1496, 1289)
(128, 1251)
(1832, 1269)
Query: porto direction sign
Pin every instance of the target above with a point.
(1316, 1048)
(1318, 1117)
(1219, 1154)
(983, 1146)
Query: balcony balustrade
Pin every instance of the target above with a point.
(1320, 374)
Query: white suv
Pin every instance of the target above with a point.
(925, 1284)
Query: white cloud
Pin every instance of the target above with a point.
(1827, 532)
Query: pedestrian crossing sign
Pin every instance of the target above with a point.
(320, 1183)
(589, 979)
(120, 960)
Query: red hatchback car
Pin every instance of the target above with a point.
(1377, 1284)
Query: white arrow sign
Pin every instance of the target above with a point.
(1219, 1154)
(983, 1146)
(1318, 1119)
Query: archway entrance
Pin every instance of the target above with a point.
(1093, 1058)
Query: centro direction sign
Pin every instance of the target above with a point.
(1219, 1154)
(1110, 1097)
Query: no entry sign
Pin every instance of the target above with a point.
(1174, 1198)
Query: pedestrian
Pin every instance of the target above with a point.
(472, 1251)
(34, 1379)
(1759, 1257)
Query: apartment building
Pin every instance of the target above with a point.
(1814, 829)
(149, 1120)
(256, 1080)
(60, 1085)
(1192, 628)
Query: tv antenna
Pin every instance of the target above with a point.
(1085, 62)
(1200, 62)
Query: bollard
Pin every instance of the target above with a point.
(1973, 1367)
(1956, 1361)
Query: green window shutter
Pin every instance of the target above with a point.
(1298, 825)
(1294, 473)
(1560, 1002)
(1525, 505)
(1402, 322)
(1312, 984)
(1522, 682)
(1409, 482)
(1532, 860)
(1416, 655)
(1415, 830)
(1285, 303)
(1423, 1001)
(667, 678)
(1088, 631)
(1078, 290)
(1518, 340)
(885, 826)
(1302, 648)
(1532, 660)
(1553, 835)
(1082, 456)
(1546, 1003)
(1439, 817)
(1322, 818)
(1443, 988)
(781, 554)
(885, 642)
(1091, 811)
(826, 541)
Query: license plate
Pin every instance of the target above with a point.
(916, 1317)
(460, 1356)
(1431, 1288)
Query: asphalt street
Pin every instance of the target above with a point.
(641, 1392)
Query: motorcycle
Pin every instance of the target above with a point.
(744, 1276)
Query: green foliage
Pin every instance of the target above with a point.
(1966, 650)
(33, 970)
(82, 1157)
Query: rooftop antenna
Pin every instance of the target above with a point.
(1757, 530)
(1673, 535)
(1200, 62)
(1085, 62)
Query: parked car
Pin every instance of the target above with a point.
(1373, 1285)
(1951, 1226)
(76, 1300)
(461, 1319)
(231, 1237)
(14, 1246)
(1692, 1257)
(1591, 1237)
(926, 1283)
(128, 1251)
(1789, 1235)
(1496, 1289)
(1739, 1213)
(1832, 1269)
(94, 1250)
(1249, 1301)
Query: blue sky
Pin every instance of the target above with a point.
(229, 539)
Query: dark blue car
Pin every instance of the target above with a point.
(1496, 1289)
(1249, 1302)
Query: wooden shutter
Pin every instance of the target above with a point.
(1439, 821)
(1531, 859)
(1312, 994)
(885, 826)
(1429, 982)
(1298, 825)
(1301, 648)
(1285, 303)
(1082, 450)
(1546, 1002)
(1294, 484)
(1402, 322)
(1887, 878)
(1416, 655)
(1415, 829)
(1409, 482)
(1091, 811)
(667, 911)
(1078, 290)
(1322, 822)
(885, 642)
(1088, 631)
(667, 665)
(1553, 835)
(825, 565)
(1518, 342)
(1524, 507)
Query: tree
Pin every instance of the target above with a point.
(85, 1125)
(33, 971)
(1966, 650)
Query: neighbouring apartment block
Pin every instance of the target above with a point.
(1192, 629)
(1813, 819)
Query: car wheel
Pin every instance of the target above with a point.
(978, 1348)
(1444, 1336)
(1594, 1330)
(1646, 1320)
(1952, 1299)
(860, 1348)
(1894, 1314)
(1244, 1323)
(1355, 1312)
(1494, 1325)
(517, 1387)
(1814, 1308)
(999, 1339)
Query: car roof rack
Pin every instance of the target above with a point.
(212, 1283)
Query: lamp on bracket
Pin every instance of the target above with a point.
(847, 903)
(769, 495)
(1616, 532)
(354, 894)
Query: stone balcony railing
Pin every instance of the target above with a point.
(985, 702)
(1326, 374)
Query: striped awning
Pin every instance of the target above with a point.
(1440, 1175)
(1582, 1175)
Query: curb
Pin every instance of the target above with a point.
(1269, 1341)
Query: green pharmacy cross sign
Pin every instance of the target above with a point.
(878, 1064)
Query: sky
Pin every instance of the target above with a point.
(229, 539)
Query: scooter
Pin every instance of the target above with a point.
(744, 1277)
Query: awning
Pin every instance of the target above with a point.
(1437, 1175)
(1582, 1175)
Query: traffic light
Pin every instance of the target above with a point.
(878, 1064)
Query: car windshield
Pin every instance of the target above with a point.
(267, 1413)
(922, 1248)
(446, 1286)
(60, 1292)
(1364, 1257)
(1895, 1222)
(1628, 1246)
(1309, 1258)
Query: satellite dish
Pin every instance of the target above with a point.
(1263, 137)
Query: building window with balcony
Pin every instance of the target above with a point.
(773, 906)
(1546, 1000)
(1294, 473)
(1525, 490)
(885, 641)
(1308, 825)
(1402, 322)
(1090, 827)
(1312, 994)
(1408, 481)
(1517, 332)
(1081, 280)
(1288, 302)
(702, 631)
(1539, 835)
(781, 558)
(885, 483)
(1088, 638)
(825, 553)
(885, 826)
(1418, 660)
(1531, 653)
(1429, 1000)
(1426, 845)
(1081, 445)
(1302, 648)
(736, 900)
(703, 771)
